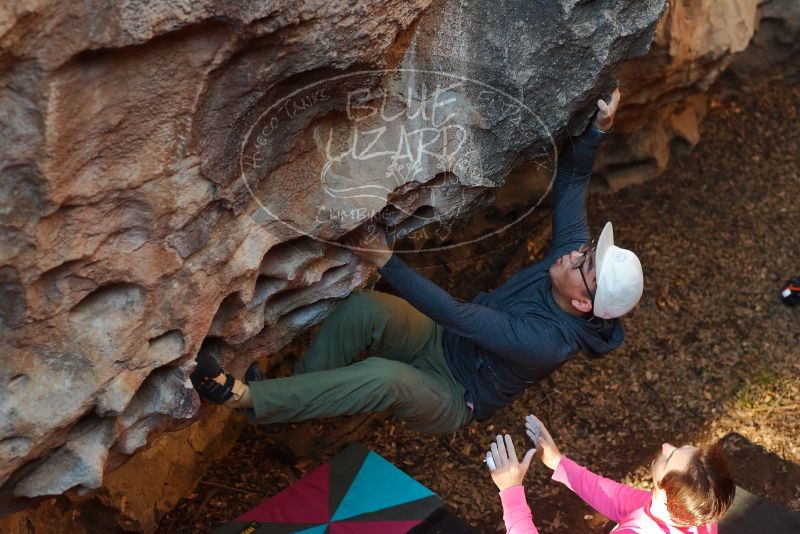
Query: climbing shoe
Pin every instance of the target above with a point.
(207, 369)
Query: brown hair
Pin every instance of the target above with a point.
(701, 494)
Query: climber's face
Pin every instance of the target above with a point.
(671, 458)
(574, 280)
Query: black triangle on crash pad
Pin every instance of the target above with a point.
(343, 470)
(444, 521)
(258, 527)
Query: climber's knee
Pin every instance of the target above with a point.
(389, 377)
(412, 396)
(360, 302)
(399, 383)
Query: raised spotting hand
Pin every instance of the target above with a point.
(548, 451)
(508, 471)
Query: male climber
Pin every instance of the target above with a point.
(437, 362)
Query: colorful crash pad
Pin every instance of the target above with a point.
(357, 492)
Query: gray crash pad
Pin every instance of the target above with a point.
(751, 514)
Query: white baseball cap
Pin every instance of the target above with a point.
(620, 281)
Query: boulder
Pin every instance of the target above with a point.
(174, 171)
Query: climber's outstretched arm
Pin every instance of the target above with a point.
(525, 340)
(574, 169)
(610, 498)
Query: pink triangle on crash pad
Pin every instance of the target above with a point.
(305, 501)
(372, 527)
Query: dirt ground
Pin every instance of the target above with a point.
(710, 350)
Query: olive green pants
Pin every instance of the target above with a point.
(405, 373)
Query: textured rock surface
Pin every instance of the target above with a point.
(135, 496)
(141, 182)
(664, 91)
(695, 42)
(117, 249)
(775, 41)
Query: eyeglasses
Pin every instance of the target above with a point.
(578, 264)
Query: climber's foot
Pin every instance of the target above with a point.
(208, 378)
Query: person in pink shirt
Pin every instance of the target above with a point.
(693, 488)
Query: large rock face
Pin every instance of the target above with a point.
(664, 92)
(173, 171)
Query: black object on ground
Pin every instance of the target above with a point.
(791, 292)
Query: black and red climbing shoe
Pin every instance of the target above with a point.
(207, 369)
(791, 292)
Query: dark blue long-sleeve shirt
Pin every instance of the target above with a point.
(508, 339)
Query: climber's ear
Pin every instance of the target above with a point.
(583, 305)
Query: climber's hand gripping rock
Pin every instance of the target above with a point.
(370, 244)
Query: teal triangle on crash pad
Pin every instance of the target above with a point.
(319, 529)
(378, 485)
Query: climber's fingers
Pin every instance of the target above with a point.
(608, 109)
(615, 98)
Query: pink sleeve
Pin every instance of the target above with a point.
(516, 514)
(612, 499)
